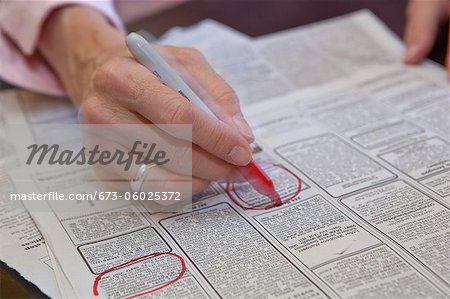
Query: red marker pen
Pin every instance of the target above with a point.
(260, 181)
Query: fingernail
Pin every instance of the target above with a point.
(244, 128)
(412, 52)
(240, 155)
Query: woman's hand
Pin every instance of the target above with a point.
(423, 19)
(110, 87)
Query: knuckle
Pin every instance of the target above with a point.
(137, 95)
(89, 111)
(178, 112)
(225, 95)
(189, 55)
(111, 76)
(105, 75)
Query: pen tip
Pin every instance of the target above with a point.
(277, 199)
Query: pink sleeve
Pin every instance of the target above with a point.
(20, 25)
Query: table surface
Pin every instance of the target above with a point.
(253, 17)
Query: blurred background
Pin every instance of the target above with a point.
(258, 17)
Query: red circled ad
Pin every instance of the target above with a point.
(154, 254)
(230, 188)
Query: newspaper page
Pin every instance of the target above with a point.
(330, 50)
(355, 163)
(346, 234)
(268, 66)
(23, 246)
(233, 56)
(363, 176)
(18, 229)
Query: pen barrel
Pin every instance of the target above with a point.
(257, 179)
(148, 56)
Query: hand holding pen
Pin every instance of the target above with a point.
(111, 87)
(156, 64)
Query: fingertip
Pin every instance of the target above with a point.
(198, 185)
(414, 54)
(447, 64)
(240, 155)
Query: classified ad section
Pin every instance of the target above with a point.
(381, 179)
(353, 222)
(410, 218)
(344, 171)
(236, 259)
(352, 260)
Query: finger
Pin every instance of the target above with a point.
(447, 57)
(210, 87)
(421, 28)
(208, 167)
(96, 110)
(137, 140)
(134, 87)
(157, 177)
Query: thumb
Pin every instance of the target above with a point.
(421, 28)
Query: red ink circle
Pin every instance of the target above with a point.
(154, 254)
(230, 188)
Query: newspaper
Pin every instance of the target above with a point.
(362, 164)
(23, 247)
(233, 56)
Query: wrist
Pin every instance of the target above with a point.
(73, 38)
